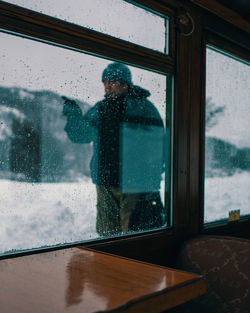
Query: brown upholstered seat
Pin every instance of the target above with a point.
(225, 264)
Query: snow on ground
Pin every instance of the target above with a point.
(42, 214)
(36, 215)
(224, 194)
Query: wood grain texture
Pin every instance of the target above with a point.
(82, 280)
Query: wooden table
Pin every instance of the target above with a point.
(83, 280)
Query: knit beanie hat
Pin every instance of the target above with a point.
(117, 72)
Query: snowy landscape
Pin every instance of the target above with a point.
(42, 214)
(47, 196)
(224, 194)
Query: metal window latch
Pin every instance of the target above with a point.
(184, 22)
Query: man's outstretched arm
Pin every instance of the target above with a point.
(79, 128)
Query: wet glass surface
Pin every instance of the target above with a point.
(117, 18)
(227, 146)
(66, 176)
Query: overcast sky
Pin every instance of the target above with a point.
(228, 84)
(37, 66)
(113, 17)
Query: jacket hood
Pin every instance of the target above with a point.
(138, 92)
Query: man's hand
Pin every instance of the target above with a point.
(71, 108)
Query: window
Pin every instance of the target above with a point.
(167, 59)
(227, 145)
(49, 175)
(117, 18)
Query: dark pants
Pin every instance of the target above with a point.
(119, 213)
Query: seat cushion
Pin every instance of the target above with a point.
(225, 264)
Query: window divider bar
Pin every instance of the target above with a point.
(36, 25)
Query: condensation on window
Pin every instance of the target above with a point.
(62, 173)
(227, 142)
(117, 18)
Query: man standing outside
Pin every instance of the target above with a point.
(127, 131)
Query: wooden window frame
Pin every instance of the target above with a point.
(49, 29)
(185, 62)
(216, 39)
(30, 24)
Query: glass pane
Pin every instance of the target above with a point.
(84, 169)
(227, 149)
(117, 18)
